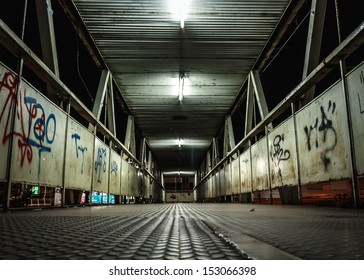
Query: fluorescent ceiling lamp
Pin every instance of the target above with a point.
(179, 10)
(181, 86)
(179, 172)
(162, 143)
(179, 142)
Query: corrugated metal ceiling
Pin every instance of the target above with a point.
(146, 50)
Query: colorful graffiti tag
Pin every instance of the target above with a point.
(34, 130)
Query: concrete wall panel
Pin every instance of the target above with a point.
(124, 177)
(323, 142)
(39, 139)
(7, 97)
(115, 172)
(209, 187)
(282, 155)
(79, 156)
(227, 181)
(215, 191)
(179, 197)
(235, 177)
(356, 92)
(260, 165)
(101, 166)
(133, 181)
(245, 172)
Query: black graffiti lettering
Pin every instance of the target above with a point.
(325, 126)
(278, 154)
(360, 107)
(308, 132)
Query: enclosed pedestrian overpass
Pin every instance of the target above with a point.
(120, 102)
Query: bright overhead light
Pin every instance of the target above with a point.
(179, 142)
(182, 78)
(179, 10)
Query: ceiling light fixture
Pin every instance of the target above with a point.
(182, 77)
(180, 8)
(179, 142)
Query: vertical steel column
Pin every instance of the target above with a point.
(93, 168)
(269, 171)
(354, 175)
(299, 190)
(109, 175)
(121, 179)
(195, 189)
(65, 155)
(251, 171)
(231, 179)
(149, 167)
(239, 177)
(12, 111)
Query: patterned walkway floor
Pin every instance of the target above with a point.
(182, 231)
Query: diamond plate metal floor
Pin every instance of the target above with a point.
(145, 232)
(183, 231)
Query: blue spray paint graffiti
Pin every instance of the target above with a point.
(100, 162)
(79, 148)
(41, 128)
(35, 129)
(114, 167)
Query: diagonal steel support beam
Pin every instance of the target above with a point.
(215, 152)
(48, 41)
(111, 107)
(259, 95)
(229, 139)
(130, 135)
(313, 46)
(255, 92)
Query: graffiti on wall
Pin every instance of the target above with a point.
(114, 167)
(100, 162)
(277, 155)
(36, 131)
(361, 102)
(80, 148)
(323, 127)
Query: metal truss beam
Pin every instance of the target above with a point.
(16, 46)
(313, 46)
(229, 139)
(130, 135)
(354, 41)
(48, 41)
